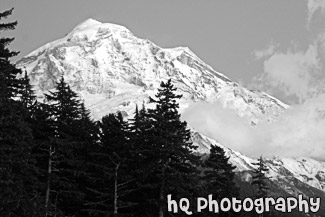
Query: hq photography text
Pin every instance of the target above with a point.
(259, 205)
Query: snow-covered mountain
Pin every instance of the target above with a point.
(113, 70)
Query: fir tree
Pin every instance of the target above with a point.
(64, 151)
(9, 84)
(139, 136)
(65, 107)
(17, 171)
(112, 181)
(27, 95)
(88, 129)
(87, 140)
(259, 178)
(219, 175)
(169, 150)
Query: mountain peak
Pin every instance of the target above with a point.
(87, 23)
(93, 24)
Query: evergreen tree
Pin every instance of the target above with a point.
(9, 84)
(65, 108)
(64, 150)
(170, 152)
(139, 135)
(87, 140)
(27, 95)
(218, 176)
(88, 129)
(17, 171)
(112, 181)
(135, 127)
(219, 173)
(259, 178)
(51, 153)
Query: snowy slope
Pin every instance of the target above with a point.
(113, 70)
(284, 171)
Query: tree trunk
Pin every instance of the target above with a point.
(162, 194)
(115, 189)
(49, 174)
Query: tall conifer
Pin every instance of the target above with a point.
(218, 176)
(63, 191)
(17, 172)
(170, 151)
(112, 178)
(27, 94)
(259, 178)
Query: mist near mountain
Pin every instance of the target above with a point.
(297, 132)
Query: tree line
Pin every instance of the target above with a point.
(55, 160)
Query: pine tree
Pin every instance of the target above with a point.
(259, 178)
(64, 165)
(112, 181)
(218, 176)
(87, 128)
(219, 173)
(65, 108)
(168, 146)
(17, 171)
(139, 134)
(9, 84)
(27, 95)
(141, 142)
(87, 140)
(135, 127)
(116, 138)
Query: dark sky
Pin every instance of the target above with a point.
(230, 35)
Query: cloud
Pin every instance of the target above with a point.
(313, 6)
(294, 73)
(264, 53)
(226, 127)
(297, 132)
